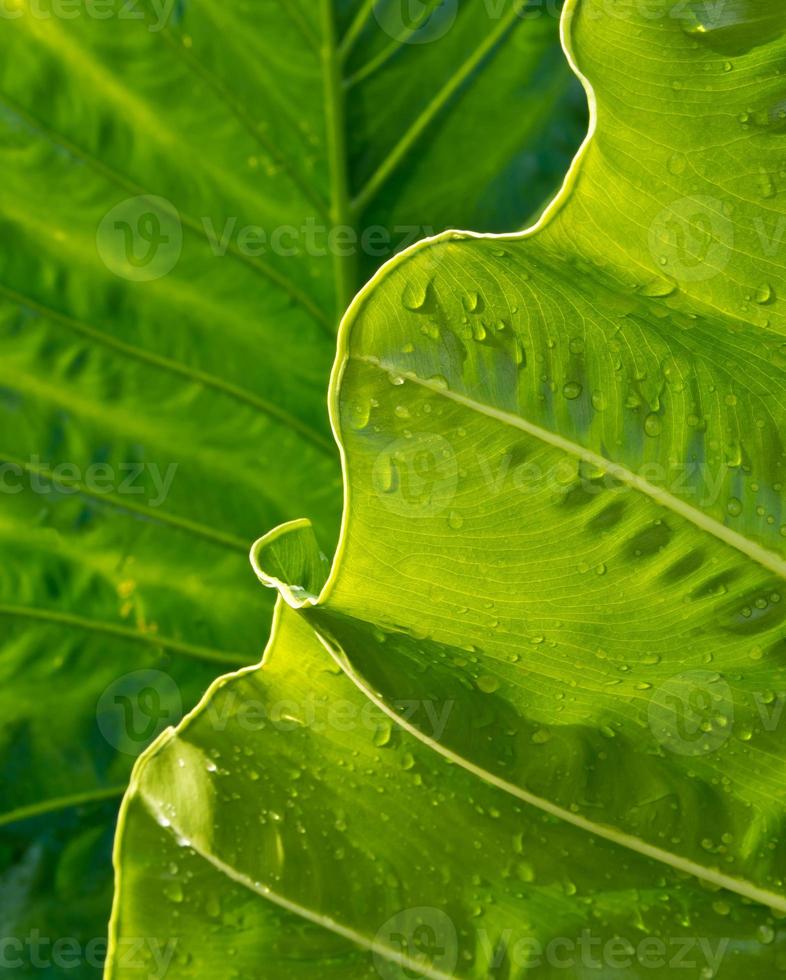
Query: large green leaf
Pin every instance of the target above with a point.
(121, 597)
(564, 515)
(291, 829)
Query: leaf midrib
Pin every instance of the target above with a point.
(341, 214)
(410, 137)
(605, 831)
(756, 552)
(151, 358)
(35, 613)
(705, 523)
(57, 804)
(164, 820)
(153, 514)
(127, 184)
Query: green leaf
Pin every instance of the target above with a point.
(564, 479)
(610, 401)
(290, 828)
(163, 370)
(566, 489)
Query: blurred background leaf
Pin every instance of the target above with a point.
(191, 195)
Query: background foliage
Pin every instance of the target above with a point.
(142, 331)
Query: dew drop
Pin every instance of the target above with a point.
(386, 477)
(652, 425)
(383, 734)
(359, 413)
(572, 390)
(778, 356)
(765, 934)
(764, 294)
(487, 684)
(599, 402)
(415, 295)
(767, 188)
(471, 301)
(659, 288)
(677, 164)
(174, 891)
